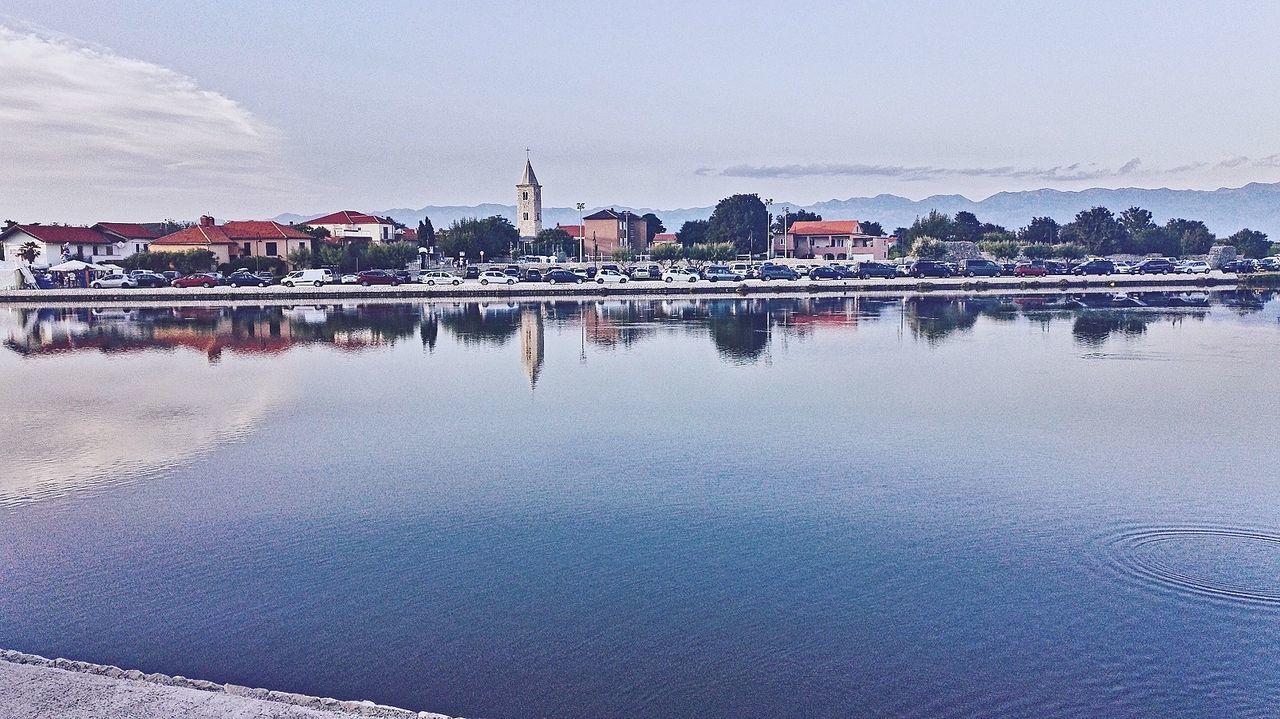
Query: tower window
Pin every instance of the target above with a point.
(524, 196)
(526, 215)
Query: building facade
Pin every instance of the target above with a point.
(609, 230)
(57, 243)
(528, 204)
(230, 240)
(832, 240)
(352, 226)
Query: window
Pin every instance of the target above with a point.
(526, 215)
(271, 250)
(247, 251)
(525, 196)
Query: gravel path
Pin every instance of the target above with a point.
(33, 687)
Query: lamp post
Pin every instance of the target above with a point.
(768, 228)
(582, 234)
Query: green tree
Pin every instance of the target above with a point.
(1040, 231)
(666, 253)
(1001, 245)
(1250, 243)
(966, 227)
(741, 219)
(1136, 220)
(1038, 251)
(1154, 240)
(494, 236)
(693, 232)
(426, 233)
(622, 254)
(655, 226)
(300, 258)
(929, 248)
(1098, 230)
(29, 251)
(871, 228)
(317, 233)
(1069, 251)
(555, 241)
(792, 217)
(1193, 236)
(392, 255)
(935, 225)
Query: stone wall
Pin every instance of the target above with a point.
(1220, 255)
(963, 251)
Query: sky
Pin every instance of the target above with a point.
(135, 110)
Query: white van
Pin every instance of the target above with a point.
(307, 277)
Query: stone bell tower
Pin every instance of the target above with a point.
(528, 203)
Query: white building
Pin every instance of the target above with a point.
(55, 243)
(352, 226)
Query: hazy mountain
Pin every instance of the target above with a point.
(1225, 210)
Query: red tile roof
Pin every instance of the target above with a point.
(409, 234)
(573, 230)
(262, 230)
(132, 230)
(349, 217)
(665, 237)
(60, 234)
(825, 227)
(197, 235)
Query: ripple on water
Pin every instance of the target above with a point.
(1229, 564)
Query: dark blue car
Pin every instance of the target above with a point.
(825, 273)
(778, 272)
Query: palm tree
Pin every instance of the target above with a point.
(29, 251)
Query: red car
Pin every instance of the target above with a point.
(1030, 271)
(196, 280)
(376, 277)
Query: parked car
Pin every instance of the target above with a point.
(778, 272)
(1269, 264)
(1055, 267)
(720, 273)
(1095, 266)
(471, 273)
(439, 277)
(512, 271)
(930, 268)
(1123, 268)
(377, 277)
(1158, 265)
(680, 274)
(610, 276)
(845, 272)
(646, 272)
(497, 277)
(1030, 269)
(149, 279)
(558, 276)
(867, 270)
(245, 278)
(1006, 268)
(113, 282)
(979, 268)
(903, 270)
(824, 273)
(1194, 268)
(531, 275)
(402, 275)
(307, 277)
(746, 269)
(198, 279)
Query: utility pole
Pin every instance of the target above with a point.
(582, 234)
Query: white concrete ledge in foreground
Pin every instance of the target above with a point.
(33, 687)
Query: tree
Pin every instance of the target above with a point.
(622, 254)
(300, 258)
(1098, 230)
(966, 227)
(1154, 240)
(1193, 236)
(935, 225)
(392, 255)
(1038, 251)
(693, 232)
(426, 233)
(494, 236)
(29, 251)
(791, 217)
(740, 219)
(1250, 243)
(666, 253)
(555, 241)
(655, 226)
(929, 248)
(1001, 245)
(317, 233)
(1041, 231)
(1069, 251)
(1136, 220)
(871, 228)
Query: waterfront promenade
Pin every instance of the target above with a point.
(33, 687)
(469, 290)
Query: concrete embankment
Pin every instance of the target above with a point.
(629, 289)
(33, 687)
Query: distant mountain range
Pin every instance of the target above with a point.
(1225, 210)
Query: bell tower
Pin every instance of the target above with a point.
(528, 202)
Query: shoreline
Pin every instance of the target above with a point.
(639, 289)
(33, 677)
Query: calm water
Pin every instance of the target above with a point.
(1015, 506)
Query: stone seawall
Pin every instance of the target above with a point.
(35, 686)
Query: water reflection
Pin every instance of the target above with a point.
(741, 330)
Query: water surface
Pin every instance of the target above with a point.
(1038, 505)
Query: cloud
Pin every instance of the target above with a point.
(81, 119)
(1072, 172)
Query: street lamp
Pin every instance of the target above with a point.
(582, 234)
(768, 227)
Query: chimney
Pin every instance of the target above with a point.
(206, 221)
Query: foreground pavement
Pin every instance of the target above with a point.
(33, 687)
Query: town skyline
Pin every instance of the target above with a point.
(257, 115)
